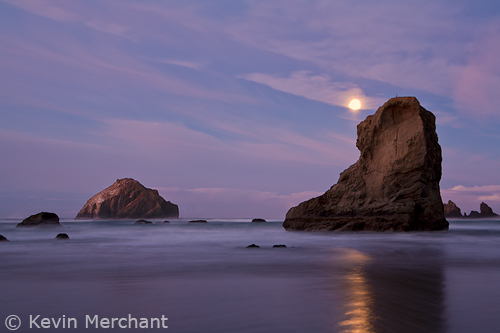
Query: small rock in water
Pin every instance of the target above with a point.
(198, 221)
(279, 245)
(62, 236)
(143, 222)
(258, 220)
(166, 221)
(42, 219)
(3, 239)
(253, 246)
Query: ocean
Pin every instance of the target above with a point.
(203, 278)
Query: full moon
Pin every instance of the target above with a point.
(355, 104)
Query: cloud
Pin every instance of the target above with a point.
(476, 88)
(315, 87)
(261, 145)
(231, 202)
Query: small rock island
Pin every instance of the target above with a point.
(127, 199)
(43, 219)
(394, 186)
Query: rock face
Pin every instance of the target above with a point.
(394, 186)
(3, 239)
(42, 219)
(127, 199)
(451, 210)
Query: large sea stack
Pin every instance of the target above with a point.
(394, 186)
(127, 199)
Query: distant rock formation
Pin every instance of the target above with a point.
(486, 212)
(451, 210)
(42, 219)
(279, 245)
(127, 199)
(253, 246)
(62, 236)
(3, 239)
(394, 186)
(258, 220)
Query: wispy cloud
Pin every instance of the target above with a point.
(231, 202)
(315, 87)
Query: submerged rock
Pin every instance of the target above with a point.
(394, 186)
(451, 210)
(42, 219)
(3, 239)
(62, 236)
(127, 199)
(253, 246)
(258, 220)
(198, 221)
(143, 222)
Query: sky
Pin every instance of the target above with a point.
(235, 109)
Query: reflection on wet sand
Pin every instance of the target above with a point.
(400, 292)
(359, 305)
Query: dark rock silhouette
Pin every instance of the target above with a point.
(166, 221)
(143, 222)
(3, 239)
(486, 211)
(198, 221)
(258, 220)
(42, 219)
(451, 210)
(62, 236)
(394, 186)
(279, 245)
(253, 246)
(127, 199)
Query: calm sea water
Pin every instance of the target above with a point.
(204, 279)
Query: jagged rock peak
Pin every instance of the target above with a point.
(394, 186)
(451, 210)
(486, 210)
(127, 199)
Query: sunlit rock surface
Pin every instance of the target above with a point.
(394, 186)
(127, 199)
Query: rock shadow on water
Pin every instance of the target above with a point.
(387, 295)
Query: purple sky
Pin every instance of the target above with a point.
(235, 108)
